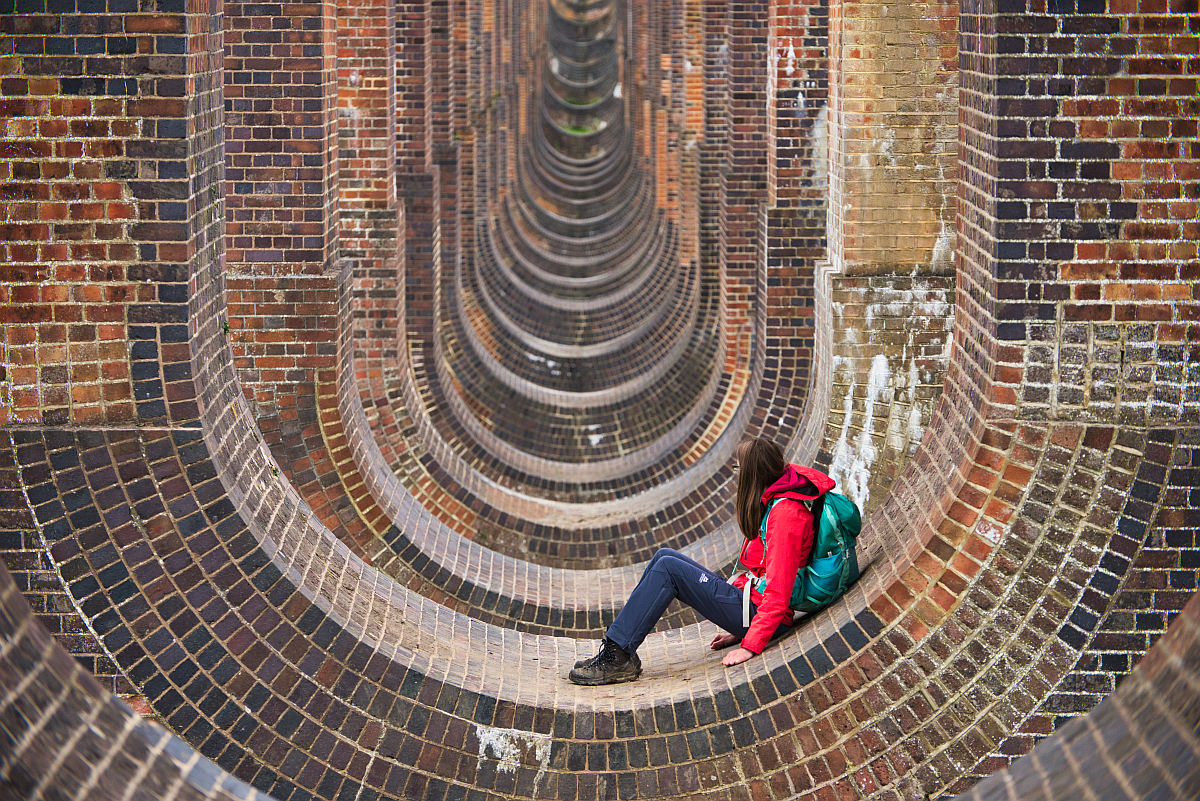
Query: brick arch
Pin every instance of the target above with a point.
(1001, 558)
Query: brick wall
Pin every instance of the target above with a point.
(893, 114)
(95, 170)
(371, 230)
(112, 161)
(1072, 268)
(319, 626)
(1081, 158)
(281, 148)
(1135, 753)
(889, 357)
(113, 141)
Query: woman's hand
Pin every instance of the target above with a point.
(723, 641)
(736, 657)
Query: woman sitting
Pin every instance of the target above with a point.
(763, 476)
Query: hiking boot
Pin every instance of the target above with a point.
(591, 659)
(611, 666)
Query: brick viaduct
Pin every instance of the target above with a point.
(357, 354)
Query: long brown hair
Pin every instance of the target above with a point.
(760, 464)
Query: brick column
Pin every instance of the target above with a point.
(442, 149)
(366, 76)
(414, 159)
(1078, 210)
(743, 185)
(797, 97)
(890, 241)
(280, 151)
(106, 176)
(797, 89)
(465, 83)
(715, 24)
(692, 124)
(282, 193)
(370, 222)
(893, 105)
(111, 174)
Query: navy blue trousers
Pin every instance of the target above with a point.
(672, 575)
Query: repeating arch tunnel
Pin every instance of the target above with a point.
(358, 356)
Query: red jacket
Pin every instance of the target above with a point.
(790, 541)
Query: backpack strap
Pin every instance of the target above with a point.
(750, 577)
(746, 600)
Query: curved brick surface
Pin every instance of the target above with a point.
(64, 735)
(326, 562)
(1141, 741)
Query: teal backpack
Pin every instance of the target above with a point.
(833, 565)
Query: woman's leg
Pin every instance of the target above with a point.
(647, 572)
(671, 575)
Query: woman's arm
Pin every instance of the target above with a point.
(789, 542)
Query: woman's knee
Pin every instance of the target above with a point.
(664, 553)
(673, 564)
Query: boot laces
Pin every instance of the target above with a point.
(612, 655)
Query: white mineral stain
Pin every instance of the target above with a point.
(943, 249)
(506, 746)
(887, 146)
(851, 467)
(988, 530)
(915, 430)
(899, 430)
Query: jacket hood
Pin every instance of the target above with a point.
(799, 482)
